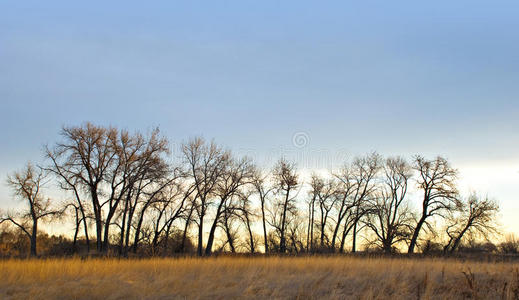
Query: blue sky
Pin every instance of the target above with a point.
(399, 77)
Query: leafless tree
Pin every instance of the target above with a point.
(27, 186)
(286, 182)
(166, 209)
(247, 215)
(144, 197)
(475, 215)
(68, 180)
(436, 179)
(344, 205)
(364, 171)
(324, 192)
(263, 190)
(313, 195)
(206, 165)
(390, 218)
(136, 158)
(235, 174)
(106, 164)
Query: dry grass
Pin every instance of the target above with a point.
(250, 278)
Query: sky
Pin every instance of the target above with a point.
(317, 81)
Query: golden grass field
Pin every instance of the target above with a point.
(258, 278)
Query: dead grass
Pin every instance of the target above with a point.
(258, 278)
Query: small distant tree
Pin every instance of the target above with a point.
(27, 185)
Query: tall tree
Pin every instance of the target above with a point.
(344, 205)
(235, 174)
(263, 190)
(247, 215)
(206, 164)
(389, 217)
(324, 192)
(105, 164)
(286, 182)
(436, 179)
(364, 170)
(69, 181)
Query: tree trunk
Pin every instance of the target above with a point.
(78, 223)
(265, 238)
(186, 227)
(354, 240)
(458, 238)
(200, 235)
(99, 231)
(344, 235)
(33, 237)
(416, 232)
(139, 225)
(282, 242)
(252, 246)
(123, 224)
(210, 239)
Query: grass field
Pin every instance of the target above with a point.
(258, 278)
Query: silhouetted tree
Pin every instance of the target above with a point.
(286, 183)
(364, 171)
(389, 217)
(476, 215)
(260, 185)
(27, 186)
(206, 165)
(436, 179)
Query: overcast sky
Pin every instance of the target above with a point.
(398, 77)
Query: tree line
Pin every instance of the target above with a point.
(125, 195)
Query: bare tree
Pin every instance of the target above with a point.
(436, 178)
(364, 171)
(476, 215)
(390, 218)
(145, 195)
(235, 174)
(324, 192)
(166, 209)
(286, 183)
(68, 180)
(247, 215)
(105, 164)
(260, 185)
(206, 163)
(316, 186)
(345, 190)
(27, 185)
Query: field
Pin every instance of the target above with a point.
(258, 278)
